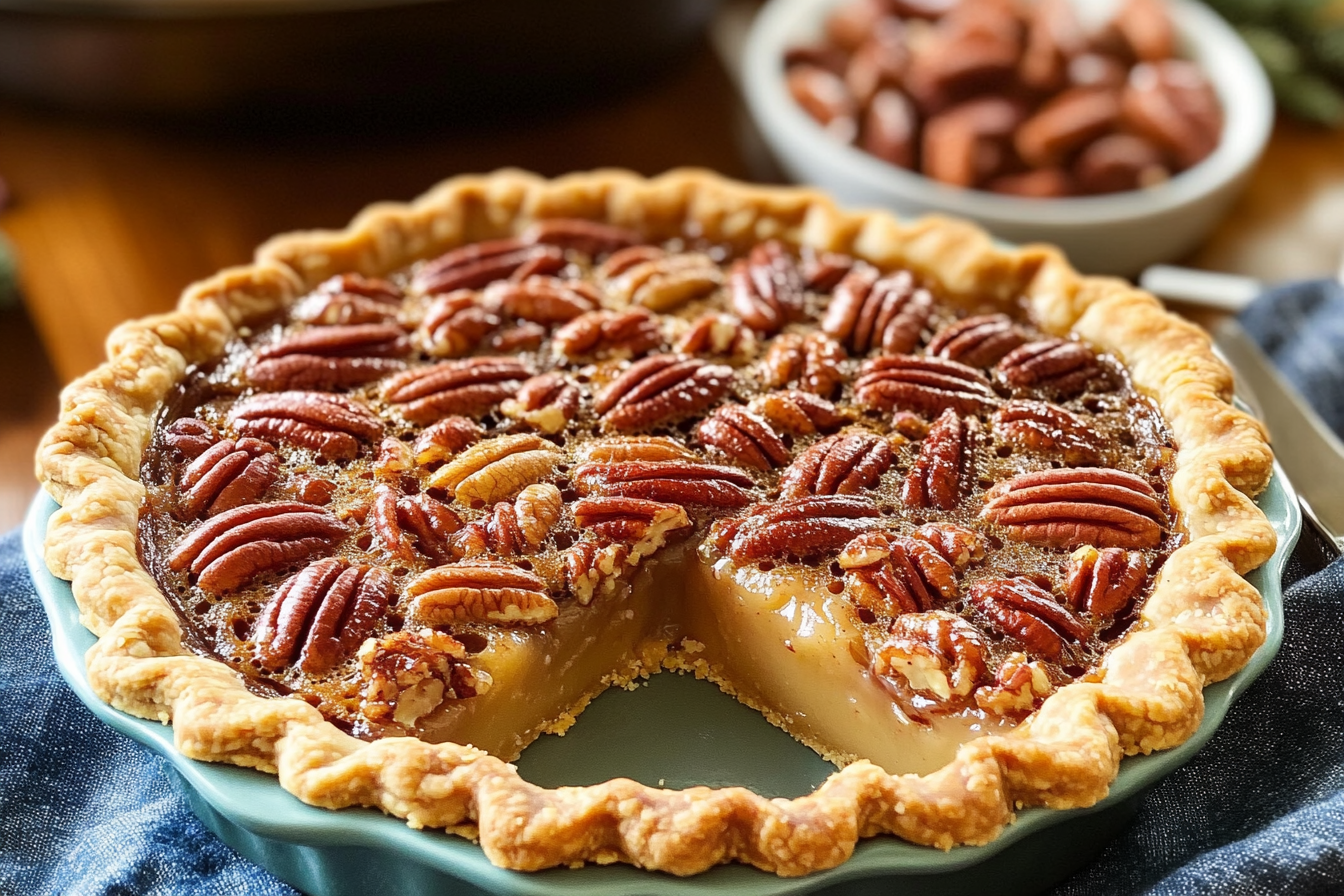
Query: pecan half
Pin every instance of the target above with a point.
(804, 527)
(1062, 366)
(1044, 428)
(1027, 612)
(927, 386)
(524, 336)
(408, 675)
(1067, 508)
(609, 334)
(320, 616)
(190, 437)
(593, 569)
(471, 386)
(945, 463)
(544, 300)
(767, 287)
(889, 574)
(669, 481)
(228, 475)
(350, 299)
(814, 363)
(643, 526)
(513, 528)
(446, 439)
(497, 468)
(936, 655)
(979, 341)
(719, 334)
(480, 591)
(592, 238)
(743, 437)
(869, 311)
(631, 448)
(405, 524)
(478, 264)
(546, 403)
(331, 425)
(958, 545)
(662, 282)
(660, 389)
(395, 459)
(823, 270)
(327, 358)
(796, 412)
(1104, 582)
(229, 550)
(842, 464)
(1019, 687)
(455, 324)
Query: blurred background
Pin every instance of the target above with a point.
(145, 144)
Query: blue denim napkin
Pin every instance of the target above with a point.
(86, 812)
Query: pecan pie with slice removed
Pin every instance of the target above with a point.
(966, 523)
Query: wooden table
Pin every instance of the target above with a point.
(113, 219)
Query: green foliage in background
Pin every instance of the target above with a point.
(1301, 45)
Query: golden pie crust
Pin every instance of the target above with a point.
(1201, 623)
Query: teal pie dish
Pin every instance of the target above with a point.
(676, 732)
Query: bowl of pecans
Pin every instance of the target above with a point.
(1120, 130)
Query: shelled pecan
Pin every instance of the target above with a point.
(958, 545)
(823, 270)
(1066, 367)
(938, 655)
(405, 524)
(1066, 508)
(327, 358)
(869, 311)
(229, 550)
(926, 386)
(1043, 428)
(480, 591)
(609, 334)
(469, 386)
(497, 468)
(979, 341)
(395, 459)
(592, 238)
(842, 464)
(1028, 613)
(593, 569)
(662, 388)
(1104, 582)
(813, 363)
(226, 475)
(350, 299)
(766, 288)
(479, 264)
(945, 464)
(635, 448)
(409, 674)
(319, 617)
(643, 526)
(455, 324)
(719, 334)
(542, 299)
(189, 436)
(796, 412)
(743, 437)
(802, 527)
(522, 336)
(889, 574)
(546, 403)
(333, 426)
(656, 280)
(669, 481)
(1019, 686)
(446, 439)
(513, 528)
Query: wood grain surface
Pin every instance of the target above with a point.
(112, 218)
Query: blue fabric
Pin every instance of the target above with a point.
(86, 812)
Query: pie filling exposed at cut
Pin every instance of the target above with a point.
(458, 496)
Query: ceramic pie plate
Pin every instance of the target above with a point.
(676, 732)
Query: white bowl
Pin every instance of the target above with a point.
(1121, 233)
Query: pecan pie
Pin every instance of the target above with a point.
(964, 522)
